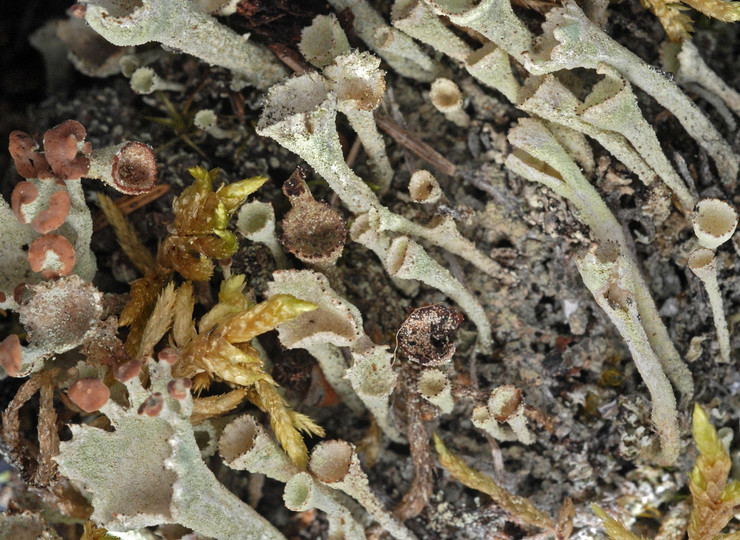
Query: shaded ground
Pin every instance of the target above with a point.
(588, 405)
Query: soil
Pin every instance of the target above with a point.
(588, 407)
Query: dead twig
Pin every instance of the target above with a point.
(11, 417)
(417, 497)
(131, 203)
(47, 432)
(353, 152)
(290, 58)
(414, 144)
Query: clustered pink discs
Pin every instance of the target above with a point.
(168, 355)
(23, 193)
(127, 371)
(152, 405)
(89, 394)
(38, 255)
(62, 150)
(53, 217)
(10, 355)
(29, 162)
(18, 292)
(130, 167)
(77, 10)
(179, 388)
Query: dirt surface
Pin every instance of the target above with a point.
(587, 405)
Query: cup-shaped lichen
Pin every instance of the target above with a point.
(245, 445)
(336, 464)
(714, 222)
(300, 115)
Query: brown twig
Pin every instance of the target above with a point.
(290, 58)
(417, 496)
(11, 419)
(414, 144)
(354, 150)
(47, 432)
(131, 203)
(465, 392)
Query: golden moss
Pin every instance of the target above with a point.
(520, 508)
(677, 24)
(713, 500)
(220, 350)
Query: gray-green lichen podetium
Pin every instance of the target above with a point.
(149, 471)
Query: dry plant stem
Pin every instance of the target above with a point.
(521, 510)
(126, 235)
(131, 203)
(417, 497)
(535, 139)
(11, 420)
(414, 144)
(47, 432)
